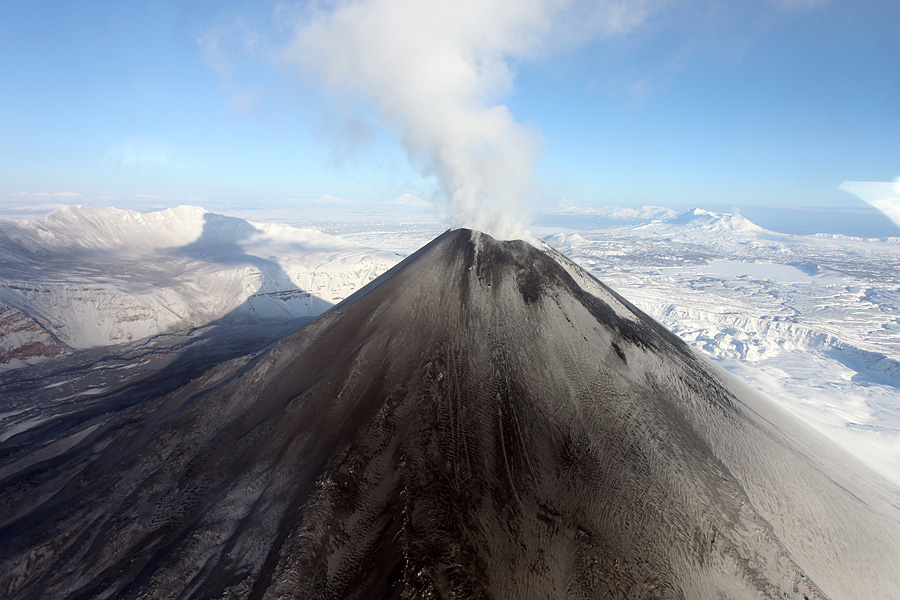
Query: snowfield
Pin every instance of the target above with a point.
(811, 321)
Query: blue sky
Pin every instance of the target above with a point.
(764, 102)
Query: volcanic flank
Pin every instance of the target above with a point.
(485, 420)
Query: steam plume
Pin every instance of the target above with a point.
(437, 71)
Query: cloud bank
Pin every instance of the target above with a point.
(437, 72)
(139, 154)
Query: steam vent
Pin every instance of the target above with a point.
(485, 420)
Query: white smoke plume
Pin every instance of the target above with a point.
(437, 71)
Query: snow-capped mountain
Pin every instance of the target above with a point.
(84, 277)
(703, 220)
(657, 218)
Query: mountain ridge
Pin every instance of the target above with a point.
(93, 277)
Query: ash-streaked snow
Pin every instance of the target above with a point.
(811, 321)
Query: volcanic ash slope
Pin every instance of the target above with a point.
(483, 421)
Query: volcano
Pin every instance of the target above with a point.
(485, 420)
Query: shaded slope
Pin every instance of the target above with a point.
(484, 420)
(92, 277)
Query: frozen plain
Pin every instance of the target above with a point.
(811, 321)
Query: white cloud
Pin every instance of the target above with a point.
(224, 42)
(223, 48)
(212, 52)
(882, 195)
(245, 100)
(140, 154)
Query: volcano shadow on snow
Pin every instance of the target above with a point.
(64, 397)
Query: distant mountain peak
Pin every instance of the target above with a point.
(704, 219)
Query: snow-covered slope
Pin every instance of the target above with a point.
(812, 321)
(704, 220)
(87, 277)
